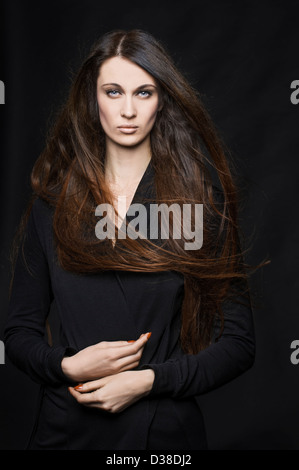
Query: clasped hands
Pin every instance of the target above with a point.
(106, 376)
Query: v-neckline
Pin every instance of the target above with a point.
(148, 172)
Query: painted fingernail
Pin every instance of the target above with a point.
(149, 335)
(131, 341)
(78, 387)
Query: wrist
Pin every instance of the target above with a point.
(148, 376)
(67, 368)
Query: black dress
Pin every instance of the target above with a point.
(114, 306)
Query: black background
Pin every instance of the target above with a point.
(242, 57)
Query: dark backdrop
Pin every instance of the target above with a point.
(242, 57)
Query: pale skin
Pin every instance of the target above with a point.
(128, 101)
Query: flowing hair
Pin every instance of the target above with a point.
(187, 157)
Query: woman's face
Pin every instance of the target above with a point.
(128, 102)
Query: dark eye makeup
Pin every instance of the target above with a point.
(112, 92)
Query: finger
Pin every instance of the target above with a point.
(143, 338)
(88, 387)
(129, 358)
(133, 347)
(115, 344)
(83, 398)
(125, 355)
(129, 366)
(128, 362)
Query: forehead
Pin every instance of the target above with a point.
(124, 72)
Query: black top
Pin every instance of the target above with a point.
(112, 306)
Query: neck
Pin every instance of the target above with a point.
(125, 166)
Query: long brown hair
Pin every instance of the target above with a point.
(187, 157)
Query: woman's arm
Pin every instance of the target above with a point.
(214, 366)
(116, 392)
(182, 377)
(189, 375)
(223, 360)
(104, 359)
(29, 305)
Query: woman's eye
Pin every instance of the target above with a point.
(144, 93)
(112, 93)
(116, 93)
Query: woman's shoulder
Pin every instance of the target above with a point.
(40, 208)
(40, 219)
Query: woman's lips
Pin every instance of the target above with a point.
(128, 129)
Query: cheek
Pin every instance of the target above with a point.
(105, 113)
(103, 118)
(153, 116)
(151, 113)
(105, 108)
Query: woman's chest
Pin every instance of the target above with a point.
(116, 305)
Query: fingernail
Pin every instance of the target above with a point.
(78, 387)
(148, 335)
(131, 341)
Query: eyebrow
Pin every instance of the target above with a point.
(146, 85)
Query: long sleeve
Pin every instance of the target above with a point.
(29, 305)
(219, 363)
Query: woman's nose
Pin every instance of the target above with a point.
(128, 109)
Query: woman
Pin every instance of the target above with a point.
(146, 325)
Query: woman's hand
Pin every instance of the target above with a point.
(104, 359)
(115, 393)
